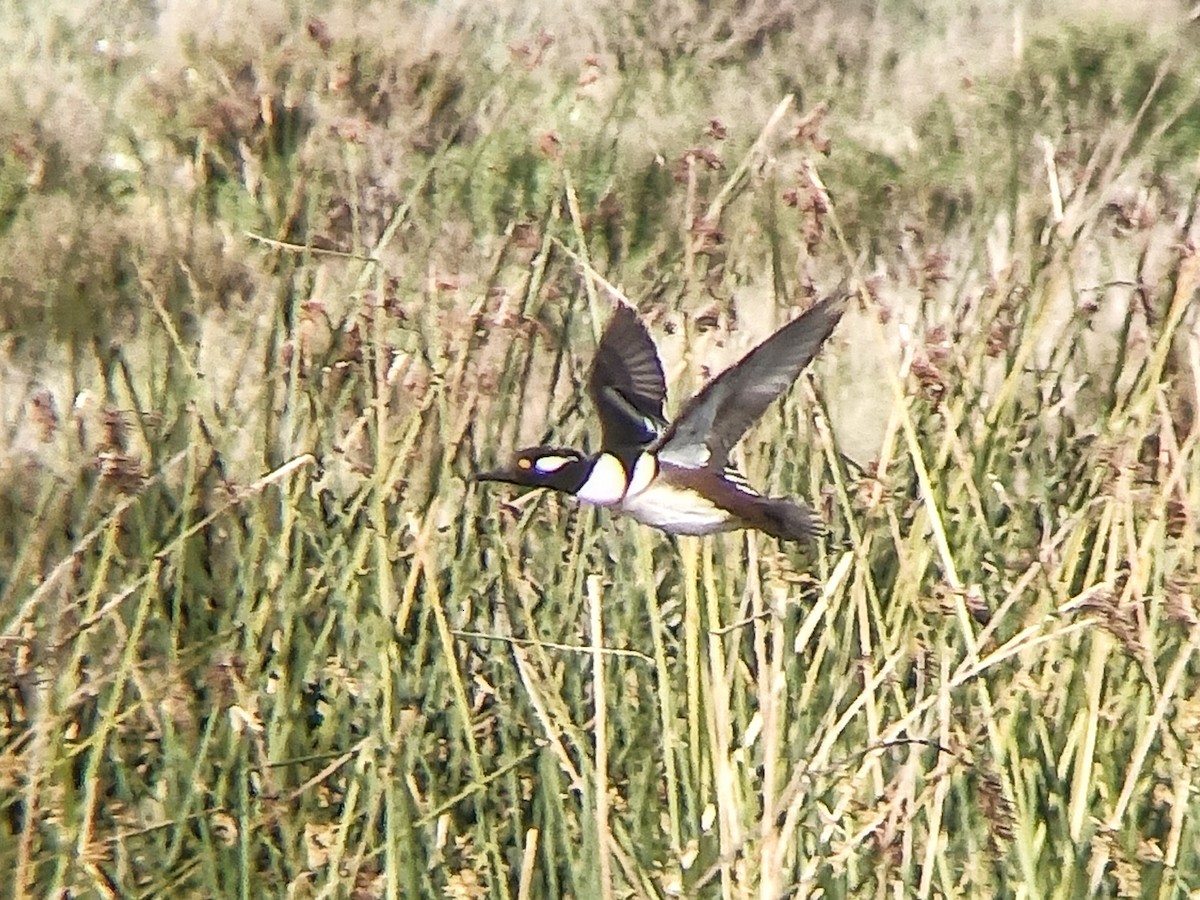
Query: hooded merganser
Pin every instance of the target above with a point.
(677, 476)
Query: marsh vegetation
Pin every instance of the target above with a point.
(275, 279)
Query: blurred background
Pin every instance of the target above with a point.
(276, 278)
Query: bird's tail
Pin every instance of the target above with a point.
(785, 519)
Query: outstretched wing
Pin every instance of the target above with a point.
(627, 383)
(716, 418)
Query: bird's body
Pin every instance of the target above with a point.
(677, 510)
(677, 476)
(637, 489)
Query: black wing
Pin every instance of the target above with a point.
(627, 383)
(716, 418)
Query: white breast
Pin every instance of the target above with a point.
(605, 484)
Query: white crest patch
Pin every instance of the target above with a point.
(606, 483)
(547, 464)
(644, 471)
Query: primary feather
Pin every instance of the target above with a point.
(713, 421)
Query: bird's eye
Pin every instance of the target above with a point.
(524, 463)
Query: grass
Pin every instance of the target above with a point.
(272, 292)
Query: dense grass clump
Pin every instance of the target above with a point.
(275, 284)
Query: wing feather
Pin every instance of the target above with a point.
(715, 419)
(627, 383)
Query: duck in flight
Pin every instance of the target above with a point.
(677, 476)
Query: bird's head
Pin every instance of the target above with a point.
(558, 468)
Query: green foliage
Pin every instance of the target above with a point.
(264, 635)
(1089, 90)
